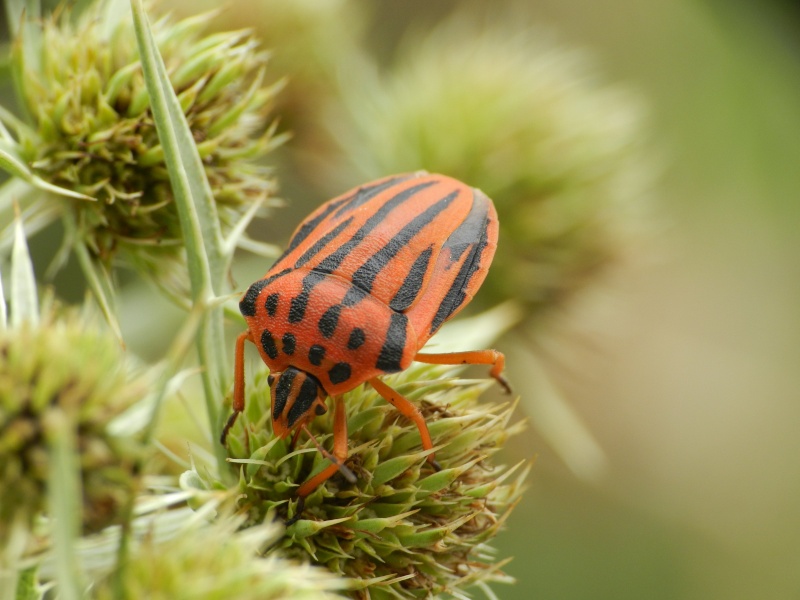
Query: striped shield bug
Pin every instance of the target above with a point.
(366, 280)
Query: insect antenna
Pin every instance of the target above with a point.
(343, 469)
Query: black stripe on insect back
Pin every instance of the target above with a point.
(394, 344)
(365, 275)
(297, 308)
(367, 193)
(407, 293)
(333, 260)
(322, 242)
(309, 226)
(304, 400)
(456, 294)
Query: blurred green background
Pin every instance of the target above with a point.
(682, 367)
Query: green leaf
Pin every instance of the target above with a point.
(198, 216)
(27, 586)
(99, 281)
(12, 165)
(193, 197)
(393, 467)
(24, 300)
(64, 489)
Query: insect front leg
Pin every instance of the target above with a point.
(474, 357)
(407, 409)
(338, 456)
(238, 384)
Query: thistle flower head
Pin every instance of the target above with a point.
(176, 560)
(92, 130)
(403, 530)
(63, 370)
(530, 124)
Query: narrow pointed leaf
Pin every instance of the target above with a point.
(198, 216)
(99, 282)
(3, 307)
(12, 165)
(65, 492)
(193, 197)
(24, 300)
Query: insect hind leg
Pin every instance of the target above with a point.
(473, 357)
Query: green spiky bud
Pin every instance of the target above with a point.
(503, 108)
(403, 529)
(64, 372)
(214, 561)
(92, 130)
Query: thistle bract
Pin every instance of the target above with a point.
(177, 561)
(91, 129)
(64, 370)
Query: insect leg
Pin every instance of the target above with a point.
(407, 409)
(474, 357)
(238, 384)
(339, 452)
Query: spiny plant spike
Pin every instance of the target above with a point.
(403, 530)
(63, 365)
(92, 130)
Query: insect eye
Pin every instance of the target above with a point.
(270, 379)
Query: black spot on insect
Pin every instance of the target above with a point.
(357, 339)
(329, 320)
(289, 342)
(315, 355)
(268, 343)
(339, 373)
(247, 305)
(394, 344)
(320, 409)
(271, 304)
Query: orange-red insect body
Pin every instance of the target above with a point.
(366, 280)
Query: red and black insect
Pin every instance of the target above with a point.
(366, 280)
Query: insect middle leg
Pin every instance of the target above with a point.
(338, 456)
(474, 357)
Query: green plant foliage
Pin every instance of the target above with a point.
(404, 529)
